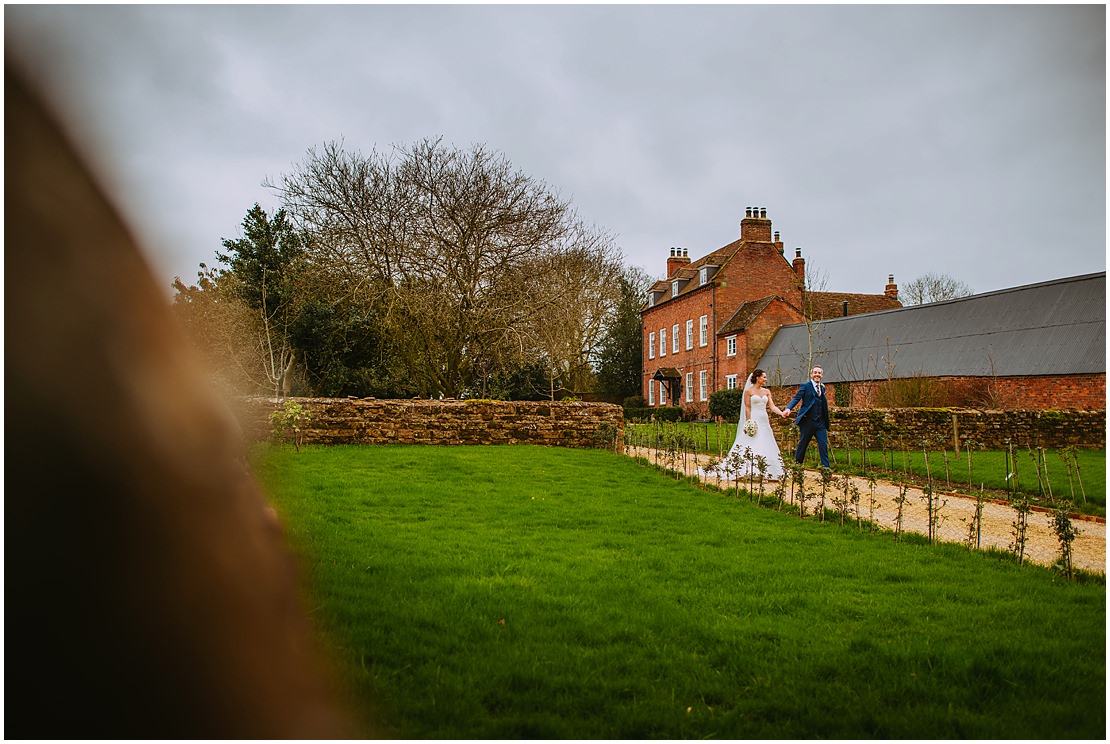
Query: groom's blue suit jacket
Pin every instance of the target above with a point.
(808, 397)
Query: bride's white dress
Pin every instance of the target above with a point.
(762, 444)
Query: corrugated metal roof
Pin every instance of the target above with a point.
(1051, 328)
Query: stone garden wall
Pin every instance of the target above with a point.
(445, 422)
(992, 429)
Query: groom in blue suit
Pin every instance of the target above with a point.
(813, 416)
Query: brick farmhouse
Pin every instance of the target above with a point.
(713, 320)
(707, 324)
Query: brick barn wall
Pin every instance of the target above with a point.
(369, 421)
(1073, 391)
(1086, 392)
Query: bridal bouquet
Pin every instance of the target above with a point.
(751, 427)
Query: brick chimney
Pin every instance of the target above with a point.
(778, 242)
(755, 226)
(799, 264)
(891, 288)
(677, 260)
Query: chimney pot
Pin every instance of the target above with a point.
(891, 288)
(685, 254)
(763, 213)
(748, 212)
(844, 307)
(776, 236)
(797, 253)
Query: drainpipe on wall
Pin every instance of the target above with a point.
(713, 346)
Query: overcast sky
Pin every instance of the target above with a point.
(965, 140)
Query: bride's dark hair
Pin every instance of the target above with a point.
(755, 375)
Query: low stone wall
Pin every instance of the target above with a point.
(445, 422)
(950, 426)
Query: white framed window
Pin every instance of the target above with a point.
(731, 382)
(689, 335)
(651, 392)
(703, 385)
(651, 299)
(662, 393)
(662, 342)
(703, 275)
(674, 338)
(703, 331)
(730, 345)
(689, 387)
(651, 345)
(674, 289)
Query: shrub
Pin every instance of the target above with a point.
(915, 391)
(290, 419)
(726, 404)
(635, 401)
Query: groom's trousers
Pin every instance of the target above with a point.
(811, 428)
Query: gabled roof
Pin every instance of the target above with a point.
(1051, 328)
(716, 258)
(746, 313)
(831, 304)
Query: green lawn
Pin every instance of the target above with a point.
(528, 592)
(1085, 487)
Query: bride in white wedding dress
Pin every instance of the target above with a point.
(761, 442)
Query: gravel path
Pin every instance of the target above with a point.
(956, 514)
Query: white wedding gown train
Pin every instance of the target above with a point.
(763, 444)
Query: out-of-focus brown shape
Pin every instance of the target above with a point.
(147, 590)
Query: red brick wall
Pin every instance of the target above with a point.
(757, 270)
(761, 330)
(664, 315)
(1087, 392)
(732, 365)
(1073, 391)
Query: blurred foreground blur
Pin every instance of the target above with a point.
(148, 593)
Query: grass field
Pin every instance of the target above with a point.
(1085, 487)
(527, 592)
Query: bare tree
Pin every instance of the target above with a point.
(816, 280)
(448, 244)
(932, 288)
(575, 296)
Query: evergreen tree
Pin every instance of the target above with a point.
(620, 362)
